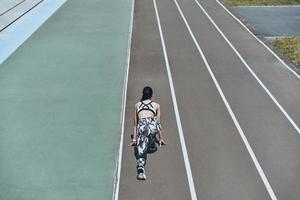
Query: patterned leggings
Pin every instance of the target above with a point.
(147, 129)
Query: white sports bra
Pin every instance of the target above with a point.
(148, 107)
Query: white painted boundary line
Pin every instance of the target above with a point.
(122, 121)
(179, 126)
(268, 48)
(241, 132)
(250, 70)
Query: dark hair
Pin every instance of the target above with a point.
(147, 93)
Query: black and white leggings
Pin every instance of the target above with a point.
(147, 129)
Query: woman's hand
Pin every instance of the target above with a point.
(132, 143)
(161, 142)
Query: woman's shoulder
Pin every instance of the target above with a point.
(137, 104)
(155, 104)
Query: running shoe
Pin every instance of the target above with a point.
(141, 176)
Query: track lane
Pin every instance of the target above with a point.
(166, 175)
(275, 101)
(273, 139)
(178, 120)
(221, 165)
(283, 84)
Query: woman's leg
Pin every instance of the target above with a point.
(142, 146)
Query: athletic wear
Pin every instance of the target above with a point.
(147, 129)
(141, 176)
(146, 106)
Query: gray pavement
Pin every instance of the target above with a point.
(222, 167)
(272, 21)
(11, 11)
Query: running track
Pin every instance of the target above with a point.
(230, 107)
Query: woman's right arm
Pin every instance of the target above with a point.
(133, 139)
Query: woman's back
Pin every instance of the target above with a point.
(146, 108)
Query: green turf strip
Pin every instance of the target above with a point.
(288, 46)
(261, 2)
(60, 103)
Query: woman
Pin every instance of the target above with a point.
(146, 127)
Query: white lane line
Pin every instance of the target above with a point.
(119, 162)
(268, 48)
(240, 130)
(179, 126)
(250, 70)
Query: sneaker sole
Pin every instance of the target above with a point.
(141, 178)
